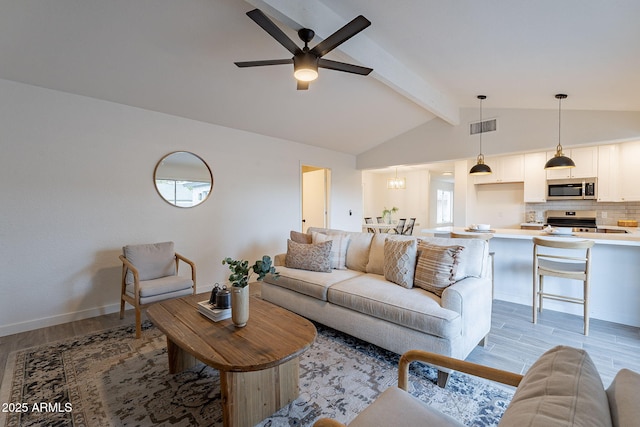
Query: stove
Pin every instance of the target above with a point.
(580, 221)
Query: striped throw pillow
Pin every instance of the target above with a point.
(436, 267)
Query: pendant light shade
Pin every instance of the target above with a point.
(559, 160)
(480, 168)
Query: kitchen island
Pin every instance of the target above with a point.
(615, 272)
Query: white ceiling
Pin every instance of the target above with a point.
(177, 57)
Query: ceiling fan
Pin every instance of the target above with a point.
(306, 61)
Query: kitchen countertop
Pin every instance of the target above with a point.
(631, 238)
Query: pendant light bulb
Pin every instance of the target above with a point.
(480, 168)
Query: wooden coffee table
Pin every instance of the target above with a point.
(258, 364)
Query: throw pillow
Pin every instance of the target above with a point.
(298, 237)
(338, 249)
(436, 267)
(400, 261)
(309, 256)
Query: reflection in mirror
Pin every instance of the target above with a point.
(183, 179)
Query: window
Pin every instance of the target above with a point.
(444, 207)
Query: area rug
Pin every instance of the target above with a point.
(112, 379)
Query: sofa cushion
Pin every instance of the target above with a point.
(413, 308)
(436, 267)
(376, 253)
(312, 257)
(338, 249)
(561, 388)
(152, 260)
(471, 260)
(400, 261)
(311, 283)
(624, 399)
(299, 237)
(358, 251)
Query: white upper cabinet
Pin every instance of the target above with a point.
(505, 169)
(609, 173)
(586, 160)
(535, 178)
(630, 171)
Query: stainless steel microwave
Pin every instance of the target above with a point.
(571, 189)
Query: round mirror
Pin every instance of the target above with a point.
(183, 179)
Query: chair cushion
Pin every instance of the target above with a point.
(152, 260)
(624, 398)
(312, 257)
(395, 407)
(562, 388)
(400, 261)
(436, 267)
(162, 288)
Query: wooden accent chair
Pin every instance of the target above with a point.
(570, 265)
(396, 407)
(150, 274)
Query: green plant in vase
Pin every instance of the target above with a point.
(386, 213)
(241, 270)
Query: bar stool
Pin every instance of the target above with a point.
(483, 236)
(573, 266)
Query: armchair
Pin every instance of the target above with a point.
(150, 274)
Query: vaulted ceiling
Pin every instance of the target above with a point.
(430, 58)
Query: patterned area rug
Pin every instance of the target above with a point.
(112, 379)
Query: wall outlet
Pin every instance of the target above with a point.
(603, 214)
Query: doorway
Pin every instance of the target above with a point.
(315, 196)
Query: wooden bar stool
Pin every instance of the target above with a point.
(483, 236)
(571, 265)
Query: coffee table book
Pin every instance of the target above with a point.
(213, 313)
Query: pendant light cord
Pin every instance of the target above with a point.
(559, 147)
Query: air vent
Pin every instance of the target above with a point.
(483, 127)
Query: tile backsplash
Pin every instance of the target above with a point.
(608, 213)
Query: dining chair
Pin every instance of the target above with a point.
(399, 228)
(150, 274)
(408, 229)
(369, 220)
(567, 259)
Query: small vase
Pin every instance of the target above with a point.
(239, 305)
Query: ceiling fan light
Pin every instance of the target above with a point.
(305, 67)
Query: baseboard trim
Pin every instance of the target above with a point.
(44, 322)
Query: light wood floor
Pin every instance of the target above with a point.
(514, 342)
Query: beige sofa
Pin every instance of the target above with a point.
(357, 297)
(562, 388)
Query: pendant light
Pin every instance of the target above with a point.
(559, 160)
(396, 183)
(480, 168)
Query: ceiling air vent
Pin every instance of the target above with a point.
(483, 127)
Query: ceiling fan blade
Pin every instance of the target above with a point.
(263, 63)
(270, 27)
(341, 66)
(342, 35)
(303, 85)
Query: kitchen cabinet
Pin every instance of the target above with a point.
(609, 173)
(586, 160)
(535, 178)
(629, 171)
(505, 169)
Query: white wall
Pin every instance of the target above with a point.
(77, 184)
